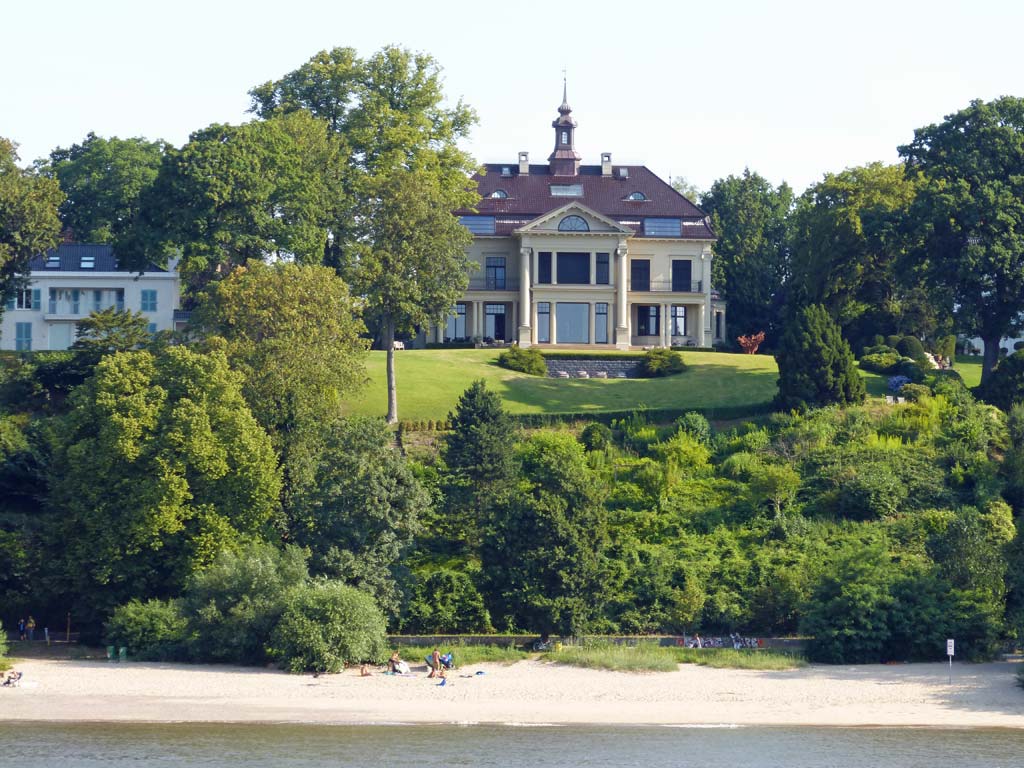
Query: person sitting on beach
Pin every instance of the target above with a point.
(12, 679)
(435, 664)
(394, 661)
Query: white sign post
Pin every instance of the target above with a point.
(949, 652)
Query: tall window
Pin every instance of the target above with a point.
(97, 301)
(544, 267)
(640, 275)
(495, 276)
(565, 137)
(572, 322)
(543, 322)
(601, 323)
(647, 320)
(23, 337)
(678, 321)
(682, 275)
(494, 321)
(456, 327)
(718, 325)
(602, 269)
(573, 268)
(149, 300)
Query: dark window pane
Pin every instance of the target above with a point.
(601, 323)
(647, 320)
(602, 269)
(543, 322)
(682, 274)
(573, 268)
(544, 267)
(662, 227)
(640, 275)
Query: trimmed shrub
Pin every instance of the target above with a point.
(696, 426)
(596, 436)
(912, 370)
(661, 362)
(893, 341)
(910, 346)
(326, 625)
(155, 630)
(879, 362)
(1005, 385)
(523, 359)
(879, 349)
(914, 392)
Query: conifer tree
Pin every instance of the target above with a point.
(816, 366)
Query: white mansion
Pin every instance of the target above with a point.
(585, 254)
(73, 280)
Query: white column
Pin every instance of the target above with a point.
(524, 336)
(621, 307)
(590, 316)
(699, 335)
(478, 318)
(593, 268)
(666, 332)
(554, 269)
(552, 317)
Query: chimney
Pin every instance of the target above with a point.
(606, 163)
(524, 163)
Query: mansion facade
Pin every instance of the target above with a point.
(604, 255)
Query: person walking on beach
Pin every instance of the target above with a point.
(30, 625)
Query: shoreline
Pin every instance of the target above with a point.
(528, 693)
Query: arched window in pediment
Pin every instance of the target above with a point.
(573, 224)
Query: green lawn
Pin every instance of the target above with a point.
(430, 382)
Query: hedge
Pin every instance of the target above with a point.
(655, 415)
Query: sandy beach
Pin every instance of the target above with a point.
(983, 695)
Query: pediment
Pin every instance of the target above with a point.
(549, 223)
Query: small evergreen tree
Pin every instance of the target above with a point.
(816, 365)
(478, 452)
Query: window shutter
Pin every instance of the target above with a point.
(10, 303)
(37, 301)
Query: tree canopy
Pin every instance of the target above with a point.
(971, 206)
(28, 219)
(103, 180)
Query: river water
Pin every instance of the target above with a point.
(87, 745)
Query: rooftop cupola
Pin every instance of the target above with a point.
(564, 160)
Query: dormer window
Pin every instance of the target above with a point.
(566, 190)
(499, 194)
(637, 196)
(506, 171)
(573, 224)
(52, 260)
(88, 262)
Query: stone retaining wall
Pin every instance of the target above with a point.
(612, 367)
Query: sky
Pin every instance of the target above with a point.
(791, 90)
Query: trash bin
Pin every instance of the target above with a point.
(122, 654)
(110, 653)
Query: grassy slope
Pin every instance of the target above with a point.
(430, 382)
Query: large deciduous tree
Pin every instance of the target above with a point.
(972, 201)
(394, 238)
(28, 219)
(850, 244)
(293, 331)
(751, 254)
(104, 180)
(261, 191)
(161, 466)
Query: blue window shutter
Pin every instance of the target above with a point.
(10, 303)
(37, 301)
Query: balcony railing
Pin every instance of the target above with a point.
(81, 307)
(666, 286)
(493, 284)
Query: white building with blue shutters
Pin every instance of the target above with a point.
(73, 280)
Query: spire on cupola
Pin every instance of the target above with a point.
(564, 160)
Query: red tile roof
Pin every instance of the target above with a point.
(530, 196)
